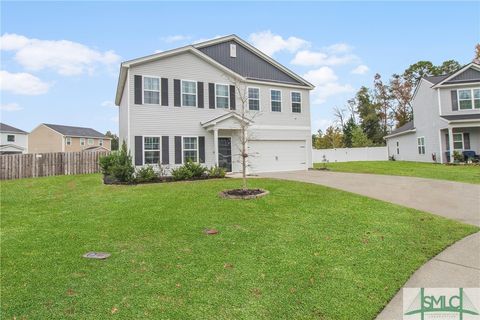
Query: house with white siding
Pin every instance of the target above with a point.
(186, 103)
(12, 140)
(446, 118)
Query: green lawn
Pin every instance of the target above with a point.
(460, 173)
(304, 251)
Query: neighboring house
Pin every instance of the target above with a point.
(183, 104)
(58, 138)
(446, 117)
(12, 140)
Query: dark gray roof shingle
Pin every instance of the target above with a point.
(436, 79)
(407, 126)
(76, 131)
(6, 128)
(453, 117)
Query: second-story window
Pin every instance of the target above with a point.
(221, 95)
(151, 90)
(68, 141)
(189, 93)
(82, 141)
(276, 100)
(90, 142)
(469, 99)
(11, 138)
(253, 99)
(296, 102)
(100, 142)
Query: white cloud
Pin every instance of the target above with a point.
(361, 69)
(325, 81)
(319, 58)
(270, 43)
(63, 56)
(339, 48)
(175, 38)
(22, 83)
(10, 107)
(107, 103)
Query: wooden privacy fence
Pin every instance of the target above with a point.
(16, 166)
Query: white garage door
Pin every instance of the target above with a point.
(277, 155)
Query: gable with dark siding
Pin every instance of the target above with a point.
(246, 63)
(469, 75)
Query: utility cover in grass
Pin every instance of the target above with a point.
(96, 255)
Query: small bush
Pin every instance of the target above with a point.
(457, 156)
(189, 170)
(107, 162)
(216, 172)
(118, 165)
(146, 174)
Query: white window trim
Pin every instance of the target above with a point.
(453, 140)
(196, 93)
(281, 101)
(228, 96)
(183, 148)
(82, 141)
(100, 142)
(68, 141)
(291, 102)
(159, 87)
(159, 145)
(11, 135)
(248, 99)
(421, 145)
(91, 140)
(472, 99)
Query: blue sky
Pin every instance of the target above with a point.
(60, 61)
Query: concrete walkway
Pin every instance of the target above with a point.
(459, 264)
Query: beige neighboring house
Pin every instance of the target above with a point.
(58, 138)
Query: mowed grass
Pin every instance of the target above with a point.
(459, 173)
(303, 252)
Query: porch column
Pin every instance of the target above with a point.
(450, 143)
(215, 145)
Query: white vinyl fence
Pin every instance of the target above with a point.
(350, 154)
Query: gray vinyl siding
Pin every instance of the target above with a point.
(123, 117)
(445, 97)
(246, 63)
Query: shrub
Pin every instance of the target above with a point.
(189, 170)
(457, 156)
(216, 172)
(122, 168)
(107, 162)
(146, 174)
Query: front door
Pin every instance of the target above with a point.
(225, 153)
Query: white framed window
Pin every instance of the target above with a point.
(190, 149)
(151, 150)
(253, 99)
(68, 141)
(296, 102)
(11, 138)
(421, 145)
(221, 96)
(100, 142)
(82, 141)
(458, 141)
(151, 90)
(276, 100)
(398, 147)
(468, 99)
(90, 141)
(189, 93)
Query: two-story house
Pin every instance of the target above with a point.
(446, 117)
(12, 140)
(187, 103)
(59, 138)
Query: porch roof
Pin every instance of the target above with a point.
(457, 117)
(230, 120)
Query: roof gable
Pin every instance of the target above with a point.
(469, 73)
(76, 131)
(246, 63)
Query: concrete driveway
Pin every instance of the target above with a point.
(454, 200)
(458, 265)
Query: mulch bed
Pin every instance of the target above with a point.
(113, 181)
(244, 194)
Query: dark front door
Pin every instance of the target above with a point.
(225, 153)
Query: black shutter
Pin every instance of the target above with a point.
(138, 150)
(176, 93)
(232, 97)
(138, 89)
(447, 141)
(211, 95)
(454, 100)
(165, 150)
(164, 92)
(466, 141)
(201, 149)
(200, 94)
(178, 150)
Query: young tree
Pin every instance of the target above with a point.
(348, 131)
(367, 112)
(340, 116)
(359, 138)
(332, 138)
(383, 100)
(402, 91)
(114, 138)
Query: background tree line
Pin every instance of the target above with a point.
(374, 112)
